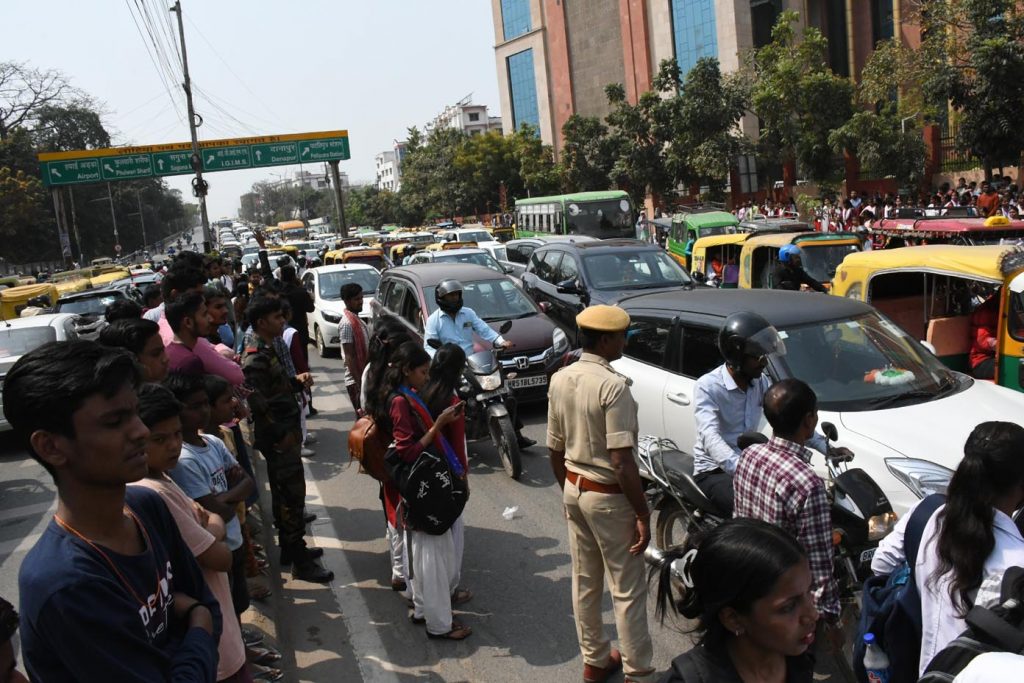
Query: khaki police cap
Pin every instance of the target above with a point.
(602, 318)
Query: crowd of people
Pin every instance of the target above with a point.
(151, 559)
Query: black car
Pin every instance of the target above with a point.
(566, 277)
(520, 250)
(408, 293)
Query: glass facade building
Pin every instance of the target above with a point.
(694, 32)
(515, 17)
(523, 87)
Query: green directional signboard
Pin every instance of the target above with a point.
(129, 163)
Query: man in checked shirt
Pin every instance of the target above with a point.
(775, 484)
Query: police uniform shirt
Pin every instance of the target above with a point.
(590, 412)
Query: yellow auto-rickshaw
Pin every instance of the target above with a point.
(373, 256)
(105, 275)
(445, 246)
(14, 299)
(821, 253)
(71, 281)
(716, 259)
(503, 233)
(931, 292)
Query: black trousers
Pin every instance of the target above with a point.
(986, 369)
(717, 486)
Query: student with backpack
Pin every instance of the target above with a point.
(967, 543)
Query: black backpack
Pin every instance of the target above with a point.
(989, 629)
(891, 606)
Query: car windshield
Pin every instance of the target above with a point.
(475, 236)
(821, 262)
(93, 305)
(602, 219)
(633, 270)
(479, 259)
(492, 300)
(865, 363)
(17, 341)
(330, 283)
(712, 230)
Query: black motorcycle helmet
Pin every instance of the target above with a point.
(445, 288)
(747, 334)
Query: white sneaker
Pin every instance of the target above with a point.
(307, 452)
(311, 438)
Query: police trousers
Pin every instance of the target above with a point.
(287, 490)
(601, 528)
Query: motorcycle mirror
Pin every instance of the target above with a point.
(505, 327)
(830, 431)
(434, 343)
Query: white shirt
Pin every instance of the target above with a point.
(993, 667)
(940, 624)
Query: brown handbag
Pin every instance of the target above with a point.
(366, 444)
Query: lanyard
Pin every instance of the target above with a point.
(149, 547)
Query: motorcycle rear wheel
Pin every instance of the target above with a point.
(672, 527)
(503, 434)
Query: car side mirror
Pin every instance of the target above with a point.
(434, 343)
(570, 286)
(508, 269)
(830, 431)
(505, 327)
(545, 306)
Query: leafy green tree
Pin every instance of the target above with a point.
(636, 138)
(973, 59)
(536, 162)
(798, 99)
(586, 155)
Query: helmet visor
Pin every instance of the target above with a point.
(765, 343)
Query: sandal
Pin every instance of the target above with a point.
(419, 621)
(262, 655)
(461, 595)
(265, 673)
(458, 632)
(259, 593)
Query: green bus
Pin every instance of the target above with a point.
(688, 227)
(602, 215)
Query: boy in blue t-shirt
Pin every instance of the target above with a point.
(110, 591)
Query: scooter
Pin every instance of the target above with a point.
(487, 398)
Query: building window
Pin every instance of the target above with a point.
(515, 17)
(523, 87)
(881, 20)
(694, 32)
(835, 31)
(763, 14)
(474, 116)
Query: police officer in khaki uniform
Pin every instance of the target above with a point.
(592, 431)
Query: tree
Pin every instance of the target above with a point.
(25, 91)
(703, 139)
(536, 162)
(798, 99)
(61, 128)
(973, 59)
(637, 143)
(431, 182)
(586, 155)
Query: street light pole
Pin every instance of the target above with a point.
(198, 184)
(113, 217)
(142, 219)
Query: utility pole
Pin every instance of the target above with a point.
(74, 225)
(339, 197)
(199, 186)
(113, 216)
(142, 219)
(337, 203)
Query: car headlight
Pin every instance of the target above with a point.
(920, 476)
(559, 342)
(879, 526)
(490, 382)
(331, 317)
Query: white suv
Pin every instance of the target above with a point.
(324, 285)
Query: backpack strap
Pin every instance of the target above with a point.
(915, 526)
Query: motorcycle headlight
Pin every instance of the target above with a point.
(920, 476)
(879, 526)
(331, 317)
(559, 342)
(490, 382)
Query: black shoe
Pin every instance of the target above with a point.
(301, 554)
(525, 441)
(308, 518)
(312, 572)
(313, 412)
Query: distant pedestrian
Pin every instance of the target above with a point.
(592, 434)
(353, 336)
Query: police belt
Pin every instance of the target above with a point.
(584, 484)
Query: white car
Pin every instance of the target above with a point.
(479, 257)
(21, 335)
(484, 240)
(901, 411)
(324, 285)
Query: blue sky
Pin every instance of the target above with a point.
(261, 67)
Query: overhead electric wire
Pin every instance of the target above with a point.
(155, 60)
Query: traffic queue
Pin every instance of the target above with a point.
(796, 466)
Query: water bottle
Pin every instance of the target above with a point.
(876, 662)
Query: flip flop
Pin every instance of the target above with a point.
(461, 595)
(265, 673)
(262, 655)
(458, 632)
(259, 593)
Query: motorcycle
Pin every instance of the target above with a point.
(486, 409)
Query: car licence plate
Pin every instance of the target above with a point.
(524, 382)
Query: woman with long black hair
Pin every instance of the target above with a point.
(432, 557)
(748, 585)
(969, 542)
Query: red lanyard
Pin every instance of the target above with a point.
(149, 548)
